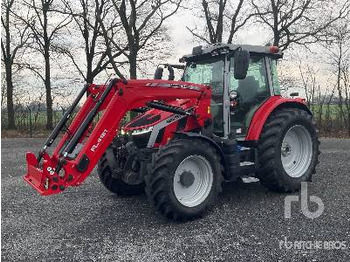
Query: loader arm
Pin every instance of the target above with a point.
(52, 174)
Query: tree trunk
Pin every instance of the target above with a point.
(9, 93)
(89, 77)
(133, 72)
(133, 65)
(276, 38)
(8, 61)
(49, 111)
(89, 61)
(220, 23)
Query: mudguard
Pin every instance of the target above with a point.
(264, 111)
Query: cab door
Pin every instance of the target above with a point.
(210, 72)
(252, 92)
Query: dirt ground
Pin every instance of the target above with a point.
(89, 223)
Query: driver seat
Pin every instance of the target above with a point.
(248, 90)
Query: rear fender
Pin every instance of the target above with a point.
(264, 111)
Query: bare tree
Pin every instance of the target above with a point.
(221, 15)
(346, 86)
(321, 100)
(298, 21)
(141, 22)
(45, 31)
(327, 120)
(3, 90)
(87, 18)
(308, 77)
(109, 29)
(339, 56)
(9, 47)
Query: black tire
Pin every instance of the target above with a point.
(271, 172)
(110, 171)
(160, 182)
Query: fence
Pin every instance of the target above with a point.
(29, 121)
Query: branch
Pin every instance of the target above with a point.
(197, 35)
(31, 68)
(61, 25)
(208, 21)
(234, 20)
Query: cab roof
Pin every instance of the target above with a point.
(200, 52)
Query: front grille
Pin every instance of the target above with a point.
(140, 141)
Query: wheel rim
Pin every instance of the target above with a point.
(296, 151)
(193, 180)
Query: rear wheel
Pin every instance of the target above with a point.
(119, 169)
(288, 150)
(185, 179)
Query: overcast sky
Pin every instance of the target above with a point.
(184, 41)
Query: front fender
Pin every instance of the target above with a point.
(264, 111)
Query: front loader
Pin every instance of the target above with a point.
(224, 120)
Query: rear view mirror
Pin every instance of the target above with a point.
(241, 64)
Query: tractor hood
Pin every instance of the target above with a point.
(152, 128)
(144, 122)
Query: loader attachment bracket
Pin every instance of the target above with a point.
(42, 179)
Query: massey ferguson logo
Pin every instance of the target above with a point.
(99, 140)
(173, 118)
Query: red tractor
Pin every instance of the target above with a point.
(224, 120)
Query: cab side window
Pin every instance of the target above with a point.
(275, 83)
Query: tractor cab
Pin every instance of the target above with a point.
(242, 78)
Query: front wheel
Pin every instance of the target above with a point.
(288, 150)
(119, 171)
(185, 179)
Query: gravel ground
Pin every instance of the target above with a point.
(89, 223)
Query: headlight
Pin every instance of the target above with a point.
(142, 131)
